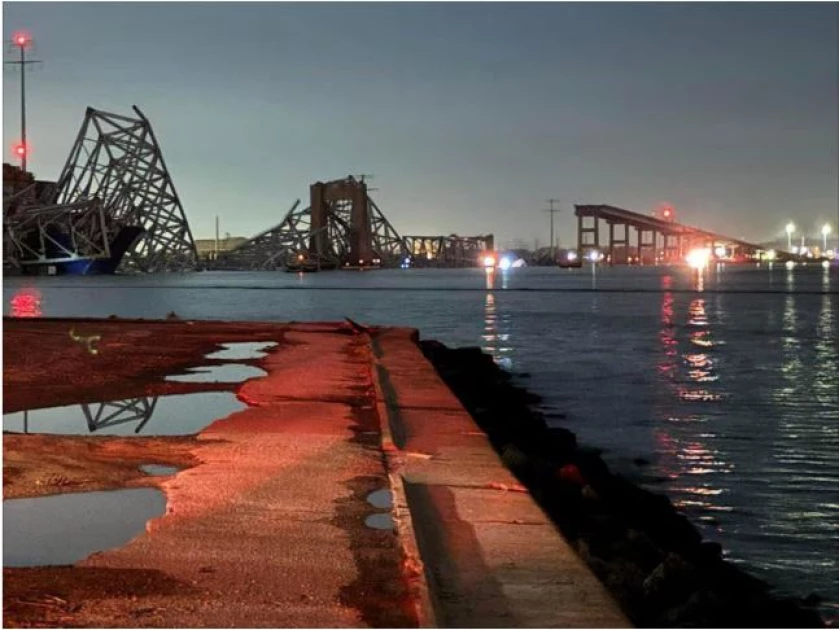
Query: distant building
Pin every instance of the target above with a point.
(207, 246)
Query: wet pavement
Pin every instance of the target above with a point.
(275, 526)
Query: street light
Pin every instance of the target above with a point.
(790, 230)
(825, 232)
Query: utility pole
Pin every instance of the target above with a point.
(216, 257)
(553, 211)
(22, 40)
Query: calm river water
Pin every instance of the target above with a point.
(727, 384)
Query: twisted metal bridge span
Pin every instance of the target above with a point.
(114, 206)
(343, 227)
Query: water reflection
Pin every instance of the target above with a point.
(699, 280)
(99, 416)
(496, 335)
(686, 447)
(26, 303)
(174, 415)
(827, 353)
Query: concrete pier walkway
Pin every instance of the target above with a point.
(493, 559)
(268, 530)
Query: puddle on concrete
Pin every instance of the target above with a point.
(226, 373)
(158, 415)
(382, 499)
(380, 521)
(159, 470)
(240, 351)
(66, 528)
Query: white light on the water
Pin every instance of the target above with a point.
(505, 263)
(826, 264)
(790, 264)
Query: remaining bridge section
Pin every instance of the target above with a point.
(656, 239)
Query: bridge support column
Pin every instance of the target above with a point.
(639, 233)
(587, 237)
(361, 247)
(671, 247)
(318, 244)
(618, 241)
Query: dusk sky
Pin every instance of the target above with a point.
(469, 115)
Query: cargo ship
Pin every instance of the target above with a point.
(45, 247)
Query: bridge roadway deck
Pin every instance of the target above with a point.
(268, 529)
(651, 223)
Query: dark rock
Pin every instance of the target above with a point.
(709, 553)
(703, 609)
(590, 494)
(671, 582)
(643, 550)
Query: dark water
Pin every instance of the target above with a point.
(726, 383)
(66, 528)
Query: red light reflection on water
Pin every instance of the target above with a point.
(26, 303)
(667, 335)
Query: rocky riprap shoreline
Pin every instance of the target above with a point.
(650, 557)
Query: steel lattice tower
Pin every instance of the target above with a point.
(117, 160)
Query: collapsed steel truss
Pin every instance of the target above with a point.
(114, 187)
(273, 248)
(447, 251)
(342, 226)
(117, 159)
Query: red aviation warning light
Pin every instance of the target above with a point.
(21, 150)
(21, 39)
(665, 212)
